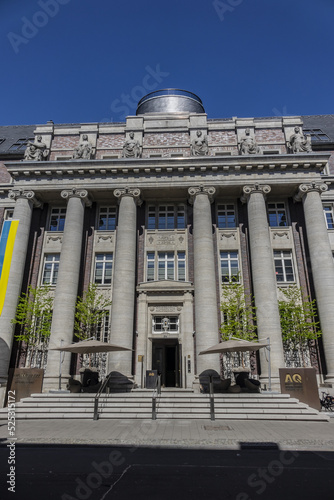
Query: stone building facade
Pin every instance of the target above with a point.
(160, 212)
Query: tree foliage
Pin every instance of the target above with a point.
(238, 313)
(34, 315)
(91, 309)
(298, 320)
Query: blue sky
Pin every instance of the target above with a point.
(76, 61)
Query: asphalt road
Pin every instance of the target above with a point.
(256, 471)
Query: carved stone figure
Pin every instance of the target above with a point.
(36, 151)
(199, 146)
(298, 143)
(248, 144)
(131, 147)
(84, 151)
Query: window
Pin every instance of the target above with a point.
(166, 266)
(165, 324)
(277, 214)
(283, 266)
(226, 216)
(2, 140)
(166, 217)
(229, 264)
(103, 268)
(102, 329)
(107, 219)
(316, 134)
(329, 215)
(20, 144)
(9, 212)
(57, 219)
(50, 270)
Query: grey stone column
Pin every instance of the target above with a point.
(322, 265)
(264, 280)
(25, 201)
(67, 286)
(124, 280)
(206, 313)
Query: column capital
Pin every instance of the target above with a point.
(254, 188)
(318, 187)
(194, 191)
(133, 192)
(76, 193)
(15, 194)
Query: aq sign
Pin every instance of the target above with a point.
(300, 383)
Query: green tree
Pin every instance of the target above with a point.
(91, 310)
(298, 323)
(34, 315)
(238, 313)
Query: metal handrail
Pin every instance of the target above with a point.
(97, 396)
(156, 392)
(212, 399)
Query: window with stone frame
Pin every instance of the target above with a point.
(165, 324)
(107, 219)
(229, 265)
(50, 269)
(166, 266)
(167, 216)
(284, 266)
(103, 328)
(103, 268)
(57, 219)
(277, 215)
(9, 213)
(226, 216)
(329, 215)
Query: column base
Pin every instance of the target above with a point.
(329, 380)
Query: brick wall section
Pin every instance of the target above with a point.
(110, 141)
(270, 136)
(167, 139)
(222, 137)
(4, 175)
(68, 142)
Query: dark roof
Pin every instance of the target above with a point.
(10, 138)
(325, 123)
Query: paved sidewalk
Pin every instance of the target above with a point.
(219, 434)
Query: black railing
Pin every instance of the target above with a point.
(97, 396)
(156, 392)
(212, 399)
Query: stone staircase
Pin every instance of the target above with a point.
(180, 404)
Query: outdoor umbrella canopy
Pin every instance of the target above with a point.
(90, 346)
(234, 346)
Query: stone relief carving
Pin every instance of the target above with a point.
(229, 235)
(54, 239)
(299, 143)
(318, 187)
(85, 150)
(199, 145)
(104, 237)
(254, 188)
(248, 145)
(37, 150)
(131, 147)
(280, 234)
